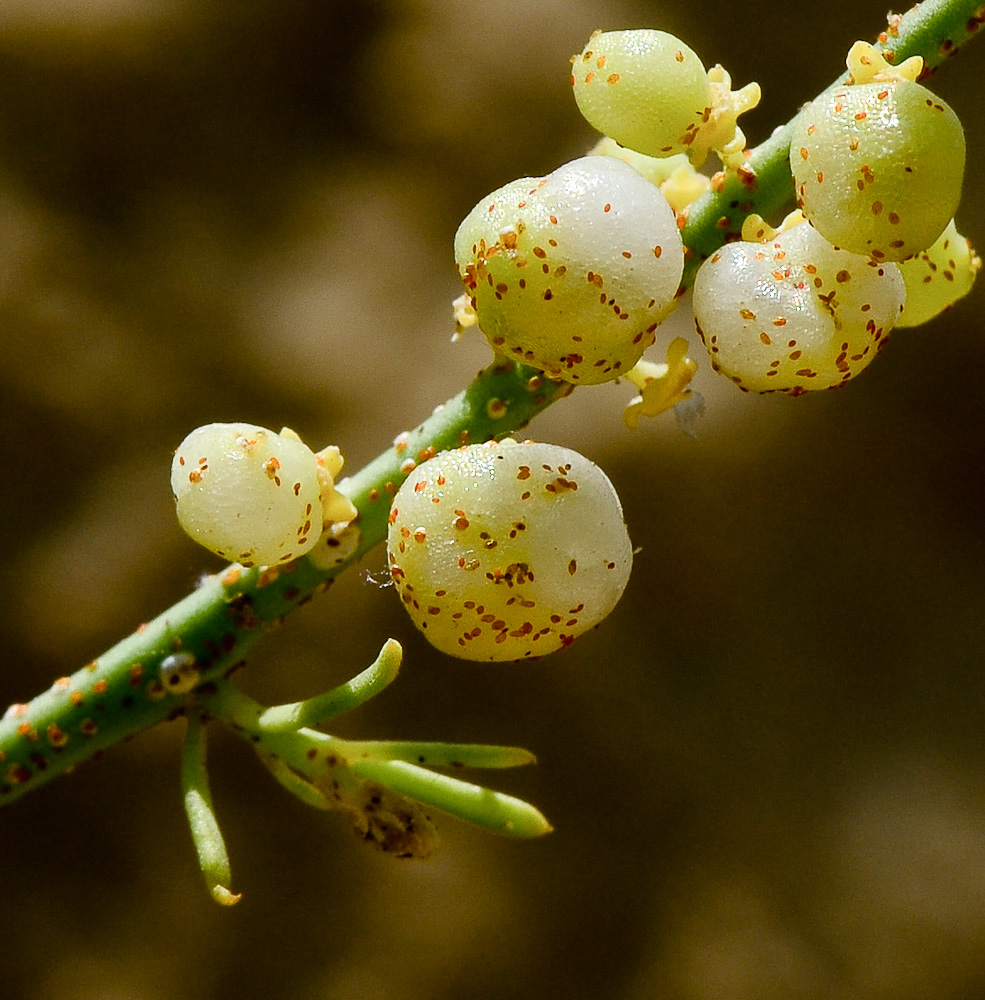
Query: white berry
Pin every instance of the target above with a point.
(506, 551)
(247, 493)
(794, 313)
(572, 273)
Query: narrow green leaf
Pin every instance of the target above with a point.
(292, 781)
(344, 698)
(206, 835)
(438, 754)
(499, 813)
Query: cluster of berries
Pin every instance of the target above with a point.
(505, 551)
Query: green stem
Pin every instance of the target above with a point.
(209, 845)
(935, 30)
(123, 692)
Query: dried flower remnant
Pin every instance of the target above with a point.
(661, 386)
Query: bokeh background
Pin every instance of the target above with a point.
(766, 770)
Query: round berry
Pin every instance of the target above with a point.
(247, 493)
(794, 313)
(506, 551)
(572, 273)
(878, 167)
(646, 89)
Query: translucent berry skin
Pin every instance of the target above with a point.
(794, 313)
(878, 167)
(248, 494)
(937, 277)
(646, 89)
(508, 551)
(573, 272)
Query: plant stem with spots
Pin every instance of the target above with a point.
(123, 691)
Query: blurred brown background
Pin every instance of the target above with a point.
(766, 769)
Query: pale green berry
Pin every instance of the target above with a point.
(573, 272)
(507, 551)
(937, 277)
(794, 313)
(247, 493)
(649, 92)
(645, 88)
(878, 167)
